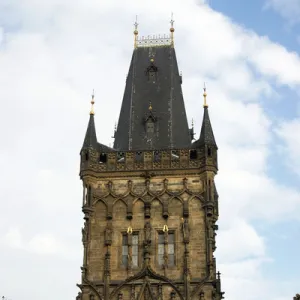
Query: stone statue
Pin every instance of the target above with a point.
(108, 234)
(147, 230)
(297, 297)
(84, 231)
(186, 230)
(79, 297)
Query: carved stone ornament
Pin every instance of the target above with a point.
(108, 234)
(297, 297)
(84, 231)
(147, 230)
(92, 297)
(186, 230)
(79, 296)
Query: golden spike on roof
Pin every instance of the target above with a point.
(135, 32)
(150, 106)
(92, 102)
(204, 96)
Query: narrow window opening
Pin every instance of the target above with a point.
(157, 156)
(139, 156)
(103, 158)
(175, 155)
(126, 259)
(89, 195)
(161, 248)
(171, 249)
(193, 154)
(86, 156)
(209, 151)
(135, 249)
(121, 157)
(125, 250)
(170, 246)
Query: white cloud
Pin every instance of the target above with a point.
(246, 240)
(54, 53)
(288, 9)
(40, 243)
(288, 132)
(13, 238)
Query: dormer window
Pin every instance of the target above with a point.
(151, 71)
(150, 120)
(150, 126)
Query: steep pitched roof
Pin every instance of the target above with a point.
(153, 78)
(90, 140)
(206, 135)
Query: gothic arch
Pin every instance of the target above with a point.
(99, 200)
(119, 199)
(136, 200)
(158, 200)
(119, 210)
(200, 198)
(146, 273)
(175, 207)
(176, 198)
(100, 209)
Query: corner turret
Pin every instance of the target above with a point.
(90, 146)
(206, 141)
(90, 140)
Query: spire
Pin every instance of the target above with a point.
(154, 78)
(90, 140)
(135, 32)
(172, 30)
(206, 135)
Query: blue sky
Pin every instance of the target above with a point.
(282, 239)
(54, 53)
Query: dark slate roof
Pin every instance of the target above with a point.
(90, 140)
(160, 86)
(206, 135)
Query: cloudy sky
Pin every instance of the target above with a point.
(54, 52)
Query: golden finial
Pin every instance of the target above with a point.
(92, 102)
(150, 106)
(165, 228)
(135, 32)
(204, 96)
(129, 230)
(172, 30)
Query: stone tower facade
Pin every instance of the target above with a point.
(150, 203)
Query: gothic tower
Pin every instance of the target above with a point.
(150, 203)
